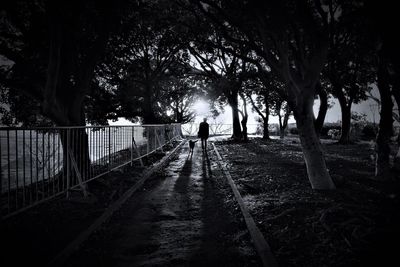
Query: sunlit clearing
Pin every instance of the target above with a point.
(201, 107)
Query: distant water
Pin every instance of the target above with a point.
(31, 155)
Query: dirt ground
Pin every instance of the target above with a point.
(355, 225)
(186, 215)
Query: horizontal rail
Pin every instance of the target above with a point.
(38, 164)
(216, 129)
(81, 127)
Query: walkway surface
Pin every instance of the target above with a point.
(182, 217)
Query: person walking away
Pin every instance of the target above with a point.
(203, 133)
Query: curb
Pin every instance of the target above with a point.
(262, 247)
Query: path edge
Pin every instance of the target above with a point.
(261, 245)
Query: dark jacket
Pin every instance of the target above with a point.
(203, 130)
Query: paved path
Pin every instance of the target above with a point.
(180, 218)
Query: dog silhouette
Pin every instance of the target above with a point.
(191, 146)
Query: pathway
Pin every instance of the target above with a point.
(182, 217)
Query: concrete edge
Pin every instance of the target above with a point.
(261, 245)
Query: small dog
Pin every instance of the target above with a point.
(191, 146)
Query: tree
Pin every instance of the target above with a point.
(382, 169)
(291, 37)
(182, 93)
(54, 48)
(349, 62)
(323, 107)
(225, 73)
(263, 86)
(381, 19)
(281, 109)
(144, 59)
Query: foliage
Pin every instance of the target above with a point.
(333, 127)
(145, 61)
(369, 132)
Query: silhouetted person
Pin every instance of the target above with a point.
(204, 133)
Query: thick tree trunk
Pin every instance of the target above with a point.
(244, 127)
(345, 108)
(396, 95)
(233, 103)
(75, 143)
(313, 154)
(266, 130)
(149, 116)
(396, 162)
(237, 131)
(281, 132)
(323, 108)
(382, 165)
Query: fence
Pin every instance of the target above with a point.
(191, 129)
(38, 164)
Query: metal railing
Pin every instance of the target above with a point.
(191, 129)
(37, 164)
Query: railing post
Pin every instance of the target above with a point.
(155, 138)
(109, 148)
(132, 138)
(148, 139)
(66, 155)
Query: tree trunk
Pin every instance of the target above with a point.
(266, 130)
(237, 131)
(244, 127)
(283, 125)
(281, 133)
(345, 108)
(233, 103)
(382, 165)
(149, 116)
(346, 124)
(281, 129)
(396, 95)
(318, 174)
(245, 117)
(323, 108)
(266, 118)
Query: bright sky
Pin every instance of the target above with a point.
(202, 109)
(368, 107)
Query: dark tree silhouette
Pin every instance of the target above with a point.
(292, 39)
(349, 68)
(53, 49)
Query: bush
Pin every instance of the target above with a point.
(327, 127)
(369, 132)
(334, 133)
(294, 131)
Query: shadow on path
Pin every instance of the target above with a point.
(218, 247)
(178, 219)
